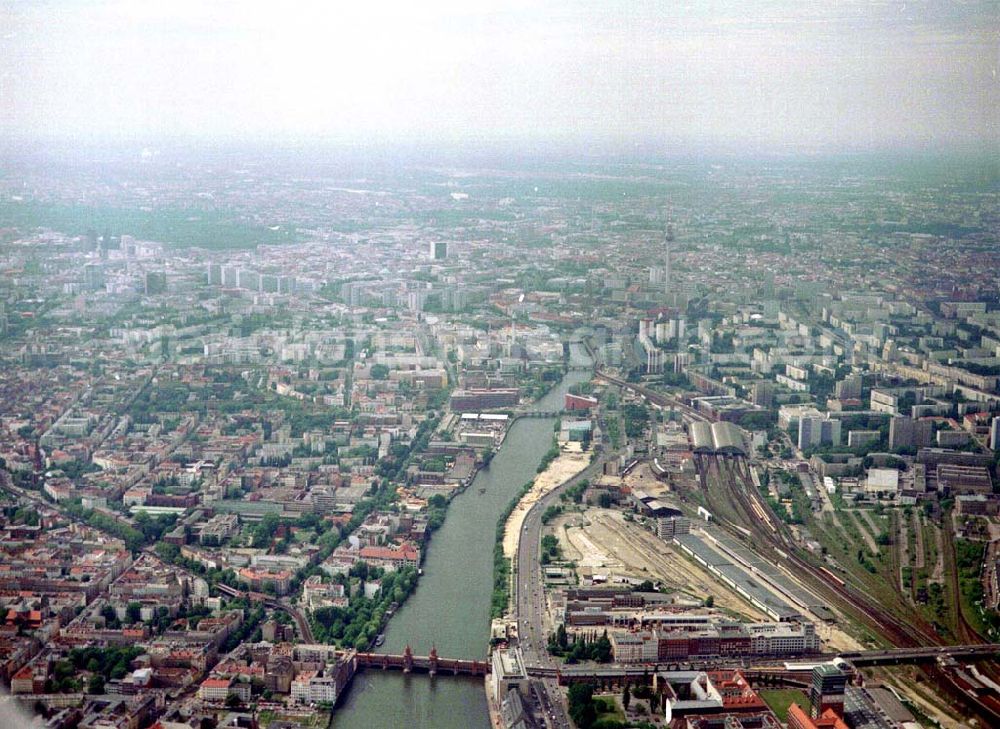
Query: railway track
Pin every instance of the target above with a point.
(903, 526)
(657, 398)
(900, 633)
(893, 550)
(964, 630)
(765, 531)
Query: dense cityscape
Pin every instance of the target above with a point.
(679, 444)
(563, 364)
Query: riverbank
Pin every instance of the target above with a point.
(450, 609)
(570, 461)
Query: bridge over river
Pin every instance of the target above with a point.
(784, 672)
(450, 608)
(431, 664)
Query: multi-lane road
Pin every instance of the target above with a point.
(529, 602)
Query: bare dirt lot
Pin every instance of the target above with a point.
(641, 477)
(602, 540)
(569, 463)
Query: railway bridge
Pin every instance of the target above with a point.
(923, 654)
(614, 676)
(770, 673)
(305, 631)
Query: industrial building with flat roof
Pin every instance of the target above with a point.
(723, 638)
(486, 399)
(954, 479)
(508, 673)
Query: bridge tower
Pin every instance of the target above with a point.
(407, 659)
(432, 661)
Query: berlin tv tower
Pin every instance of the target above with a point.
(667, 244)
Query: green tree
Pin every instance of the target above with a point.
(265, 530)
(167, 552)
(602, 649)
(110, 617)
(626, 697)
(132, 612)
(581, 705)
(360, 570)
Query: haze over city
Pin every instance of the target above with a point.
(508, 365)
(668, 77)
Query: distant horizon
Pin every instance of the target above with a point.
(509, 150)
(754, 75)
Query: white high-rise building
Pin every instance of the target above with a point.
(438, 250)
(654, 356)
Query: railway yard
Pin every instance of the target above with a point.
(602, 541)
(864, 598)
(867, 577)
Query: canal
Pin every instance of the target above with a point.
(450, 608)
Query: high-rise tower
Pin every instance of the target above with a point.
(667, 245)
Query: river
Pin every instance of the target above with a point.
(450, 608)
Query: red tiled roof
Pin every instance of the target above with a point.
(217, 682)
(406, 552)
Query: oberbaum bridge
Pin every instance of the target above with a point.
(761, 674)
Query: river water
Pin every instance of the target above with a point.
(450, 608)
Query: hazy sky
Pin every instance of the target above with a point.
(662, 74)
